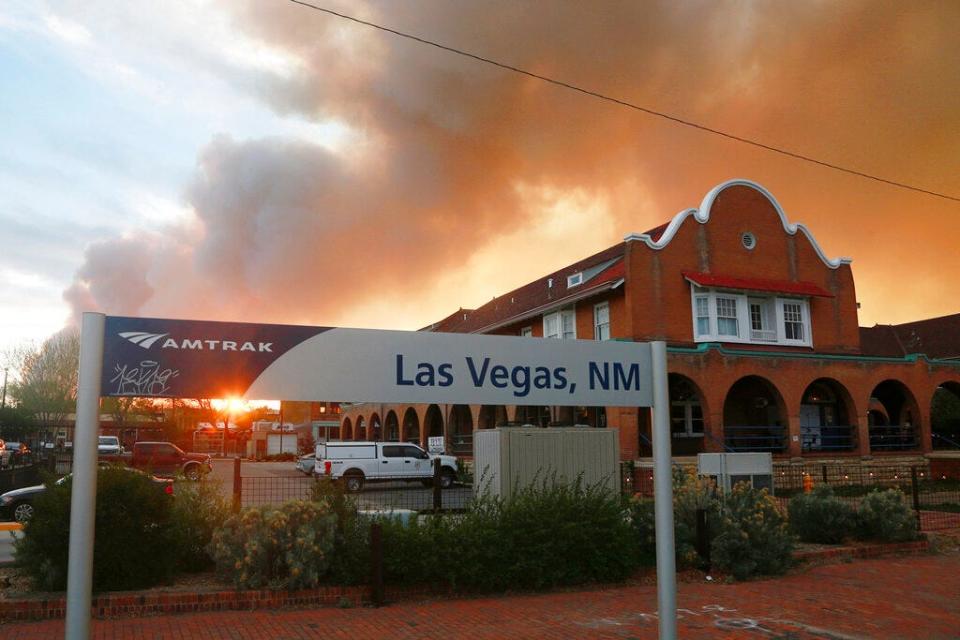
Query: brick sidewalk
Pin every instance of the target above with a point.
(906, 597)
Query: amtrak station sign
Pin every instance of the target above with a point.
(162, 358)
(182, 358)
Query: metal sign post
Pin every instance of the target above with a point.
(663, 496)
(84, 492)
(162, 358)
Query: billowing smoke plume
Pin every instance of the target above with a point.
(447, 150)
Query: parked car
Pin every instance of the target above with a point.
(359, 462)
(17, 505)
(306, 464)
(164, 459)
(109, 445)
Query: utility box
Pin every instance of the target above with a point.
(730, 468)
(510, 458)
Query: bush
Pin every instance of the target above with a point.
(753, 538)
(690, 494)
(283, 548)
(198, 509)
(885, 516)
(543, 536)
(644, 522)
(133, 542)
(350, 556)
(821, 517)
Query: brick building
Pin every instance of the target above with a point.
(765, 352)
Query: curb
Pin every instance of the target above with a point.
(11, 526)
(865, 551)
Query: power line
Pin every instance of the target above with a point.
(625, 103)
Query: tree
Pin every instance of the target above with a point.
(15, 423)
(47, 382)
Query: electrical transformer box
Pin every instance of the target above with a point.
(510, 458)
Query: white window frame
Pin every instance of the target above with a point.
(782, 320)
(560, 316)
(599, 326)
(526, 332)
(574, 280)
(746, 334)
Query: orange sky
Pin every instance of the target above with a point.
(457, 181)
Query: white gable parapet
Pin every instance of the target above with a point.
(702, 215)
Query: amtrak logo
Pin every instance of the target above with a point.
(141, 339)
(147, 340)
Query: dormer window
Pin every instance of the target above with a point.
(574, 280)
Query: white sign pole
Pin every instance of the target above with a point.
(84, 494)
(663, 496)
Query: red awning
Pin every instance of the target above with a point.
(757, 284)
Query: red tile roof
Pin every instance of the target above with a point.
(756, 284)
(537, 294)
(934, 337)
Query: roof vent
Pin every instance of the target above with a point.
(749, 240)
(549, 283)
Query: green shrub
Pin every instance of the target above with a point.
(198, 509)
(753, 537)
(644, 523)
(821, 517)
(133, 541)
(350, 556)
(542, 536)
(286, 547)
(690, 494)
(885, 516)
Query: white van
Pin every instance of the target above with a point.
(360, 462)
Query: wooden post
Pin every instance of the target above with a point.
(237, 485)
(376, 564)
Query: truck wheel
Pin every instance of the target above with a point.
(354, 482)
(23, 512)
(446, 479)
(192, 472)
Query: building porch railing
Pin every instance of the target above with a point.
(755, 438)
(823, 438)
(893, 438)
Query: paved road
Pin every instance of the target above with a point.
(890, 598)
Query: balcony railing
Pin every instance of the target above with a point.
(823, 438)
(893, 437)
(767, 335)
(755, 438)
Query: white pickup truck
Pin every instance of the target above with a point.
(360, 462)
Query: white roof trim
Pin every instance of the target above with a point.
(702, 215)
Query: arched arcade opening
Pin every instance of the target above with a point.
(754, 416)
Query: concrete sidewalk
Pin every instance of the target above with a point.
(895, 598)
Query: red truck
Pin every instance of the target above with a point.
(164, 459)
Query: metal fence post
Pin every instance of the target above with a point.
(703, 539)
(823, 472)
(376, 564)
(237, 485)
(437, 496)
(915, 485)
